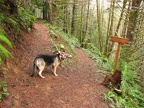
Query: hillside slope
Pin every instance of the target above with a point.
(77, 86)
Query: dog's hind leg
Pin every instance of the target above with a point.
(40, 72)
(40, 63)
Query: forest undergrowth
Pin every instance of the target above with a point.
(131, 96)
(10, 29)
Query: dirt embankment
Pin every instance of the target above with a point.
(77, 86)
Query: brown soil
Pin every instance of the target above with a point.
(77, 86)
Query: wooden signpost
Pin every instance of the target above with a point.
(115, 79)
(120, 42)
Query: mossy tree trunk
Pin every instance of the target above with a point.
(53, 12)
(133, 18)
(73, 17)
(134, 31)
(84, 35)
(46, 11)
(99, 25)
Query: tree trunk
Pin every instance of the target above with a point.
(121, 17)
(109, 45)
(133, 19)
(99, 25)
(46, 11)
(53, 12)
(73, 17)
(81, 24)
(65, 28)
(85, 33)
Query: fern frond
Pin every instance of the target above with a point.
(26, 18)
(12, 22)
(3, 6)
(5, 39)
(4, 51)
(2, 17)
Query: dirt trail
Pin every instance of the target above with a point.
(77, 86)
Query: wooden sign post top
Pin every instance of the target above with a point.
(120, 41)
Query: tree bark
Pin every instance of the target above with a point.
(73, 17)
(85, 33)
(99, 25)
(133, 19)
(46, 11)
(53, 12)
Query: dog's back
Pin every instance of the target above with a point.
(48, 58)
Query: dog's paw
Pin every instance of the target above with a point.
(43, 77)
(56, 74)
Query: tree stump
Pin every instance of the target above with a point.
(115, 79)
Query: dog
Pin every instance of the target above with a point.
(43, 60)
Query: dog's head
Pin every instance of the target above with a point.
(63, 55)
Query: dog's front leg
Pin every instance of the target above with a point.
(54, 69)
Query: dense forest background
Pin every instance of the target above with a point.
(91, 23)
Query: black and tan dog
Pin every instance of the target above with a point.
(43, 60)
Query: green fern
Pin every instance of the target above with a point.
(3, 90)
(3, 51)
(2, 17)
(71, 41)
(131, 95)
(5, 39)
(12, 22)
(26, 18)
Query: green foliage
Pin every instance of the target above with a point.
(3, 90)
(2, 17)
(8, 22)
(58, 33)
(94, 50)
(11, 22)
(38, 3)
(98, 57)
(131, 92)
(11, 25)
(3, 51)
(131, 96)
(25, 18)
(5, 39)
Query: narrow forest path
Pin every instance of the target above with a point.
(77, 86)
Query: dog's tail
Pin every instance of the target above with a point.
(34, 69)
